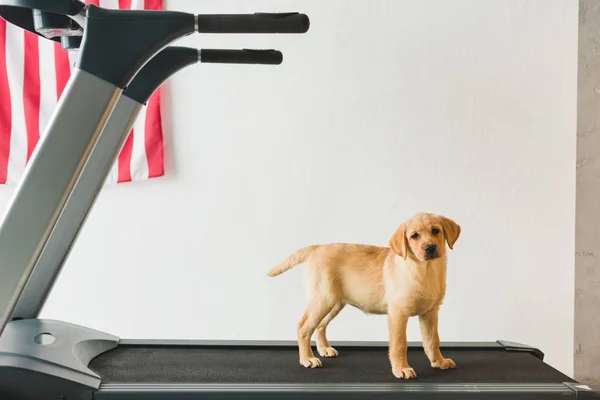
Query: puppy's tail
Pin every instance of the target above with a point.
(292, 260)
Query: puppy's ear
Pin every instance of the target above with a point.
(451, 231)
(398, 242)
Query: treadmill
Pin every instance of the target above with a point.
(123, 57)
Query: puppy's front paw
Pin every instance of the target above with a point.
(327, 352)
(312, 362)
(404, 373)
(445, 363)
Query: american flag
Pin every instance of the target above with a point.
(33, 74)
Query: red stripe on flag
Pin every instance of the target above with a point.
(153, 137)
(31, 90)
(125, 4)
(153, 5)
(6, 109)
(62, 67)
(94, 2)
(124, 160)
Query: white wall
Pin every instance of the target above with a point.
(464, 108)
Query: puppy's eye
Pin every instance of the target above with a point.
(414, 236)
(435, 231)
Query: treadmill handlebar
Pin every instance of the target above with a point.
(174, 58)
(107, 35)
(253, 23)
(54, 20)
(245, 56)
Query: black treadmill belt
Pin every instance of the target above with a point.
(132, 364)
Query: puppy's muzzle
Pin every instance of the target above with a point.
(431, 251)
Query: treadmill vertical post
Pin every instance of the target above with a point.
(105, 152)
(88, 186)
(76, 209)
(48, 180)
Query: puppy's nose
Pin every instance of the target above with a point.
(430, 249)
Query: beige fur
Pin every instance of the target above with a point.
(401, 280)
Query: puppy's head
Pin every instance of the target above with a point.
(423, 237)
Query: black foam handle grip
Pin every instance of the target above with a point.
(245, 56)
(254, 23)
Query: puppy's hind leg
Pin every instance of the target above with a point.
(323, 346)
(315, 312)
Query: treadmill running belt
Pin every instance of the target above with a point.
(214, 364)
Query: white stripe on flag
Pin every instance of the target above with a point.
(48, 98)
(139, 161)
(15, 66)
(114, 4)
(137, 4)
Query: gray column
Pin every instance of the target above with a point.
(587, 235)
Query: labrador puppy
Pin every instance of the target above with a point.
(406, 279)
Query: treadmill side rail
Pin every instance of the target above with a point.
(49, 359)
(514, 346)
(358, 391)
(584, 392)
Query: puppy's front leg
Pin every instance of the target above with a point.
(398, 319)
(431, 340)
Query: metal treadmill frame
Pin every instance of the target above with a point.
(49, 359)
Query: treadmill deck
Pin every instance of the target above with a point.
(267, 364)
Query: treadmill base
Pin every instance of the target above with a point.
(58, 360)
(53, 351)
